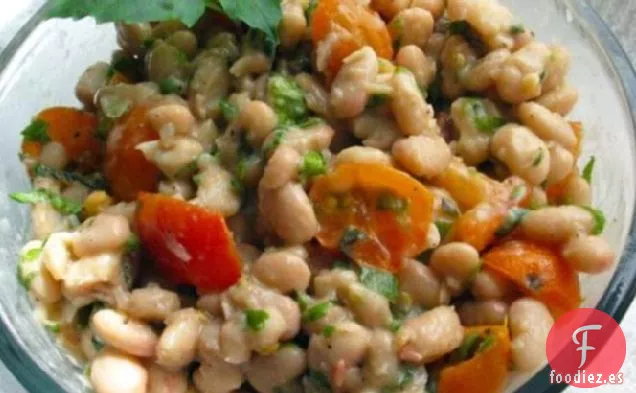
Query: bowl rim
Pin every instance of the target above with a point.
(622, 285)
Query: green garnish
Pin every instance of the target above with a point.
(518, 192)
(476, 110)
(405, 377)
(349, 238)
(52, 327)
(255, 319)
(473, 344)
(311, 8)
(316, 311)
(229, 111)
(96, 181)
(98, 344)
(599, 220)
(172, 85)
(380, 281)
(588, 170)
(287, 99)
(36, 131)
(444, 227)
(517, 29)
(391, 202)
(133, 243)
(450, 208)
(538, 158)
(314, 164)
(513, 218)
(41, 195)
(328, 330)
(28, 268)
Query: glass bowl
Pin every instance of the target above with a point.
(42, 62)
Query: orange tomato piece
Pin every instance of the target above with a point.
(189, 244)
(126, 169)
(466, 185)
(537, 271)
(487, 371)
(75, 130)
(359, 26)
(379, 212)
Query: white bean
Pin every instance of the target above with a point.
(282, 271)
(483, 313)
(556, 225)
(218, 377)
(412, 113)
(489, 286)
(376, 130)
(152, 303)
(259, 120)
(163, 381)
(215, 190)
(519, 78)
(178, 342)
(577, 191)
(589, 254)
(422, 155)
(329, 283)
(348, 343)
(561, 163)
(530, 323)
(547, 125)
(369, 307)
(458, 263)
(524, 154)
(482, 75)
(362, 155)
(412, 26)
(233, 342)
(104, 233)
(114, 372)
(293, 24)
(561, 100)
(349, 93)
(84, 276)
(419, 281)
(209, 85)
(123, 333)
(316, 96)
(423, 67)
(265, 373)
(556, 68)
(171, 159)
(304, 140)
(473, 144)
(381, 365)
(430, 336)
(54, 155)
(251, 63)
(435, 7)
(281, 168)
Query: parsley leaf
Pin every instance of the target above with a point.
(316, 312)
(517, 29)
(588, 170)
(229, 111)
(95, 181)
(599, 220)
(476, 110)
(255, 319)
(314, 164)
(41, 195)
(328, 330)
(133, 243)
(262, 15)
(513, 218)
(287, 99)
(36, 131)
(380, 281)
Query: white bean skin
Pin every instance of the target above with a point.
(525, 154)
(483, 313)
(457, 262)
(577, 191)
(210, 83)
(56, 254)
(178, 342)
(473, 144)
(369, 307)
(179, 116)
(556, 68)
(281, 168)
(556, 225)
(316, 96)
(422, 155)
(114, 372)
(290, 213)
(530, 323)
(93, 79)
(233, 342)
(152, 303)
(293, 24)
(215, 191)
(423, 67)
(282, 271)
(381, 365)
(435, 7)
(127, 335)
(412, 113)
(349, 94)
(589, 254)
(547, 125)
(376, 130)
(348, 343)
(421, 283)
(208, 344)
(489, 286)
(430, 336)
(162, 381)
(412, 26)
(304, 140)
(265, 373)
(259, 120)
(519, 78)
(267, 338)
(482, 76)
(104, 234)
(218, 377)
(363, 155)
(54, 155)
(329, 283)
(561, 100)
(561, 163)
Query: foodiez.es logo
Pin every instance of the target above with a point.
(586, 348)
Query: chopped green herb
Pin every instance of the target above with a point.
(52, 327)
(486, 343)
(103, 127)
(599, 220)
(316, 311)
(229, 111)
(377, 100)
(395, 325)
(518, 192)
(517, 29)
(467, 349)
(312, 121)
(328, 330)
(588, 170)
(96, 181)
(538, 158)
(311, 8)
(444, 227)
(513, 218)
(274, 141)
(255, 319)
(405, 377)
(172, 85)
(237, 186)
(133, 243)
(287, 99)
(350, 237)
(40, 195)
(314, 164)
(476, 110)
(97, 342)
(389, 201)
(450, 208)
(263, 15)
(303, 300)
(380, 281)
(36, 131)
(28, 268)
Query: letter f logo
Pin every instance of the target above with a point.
(584, 348)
